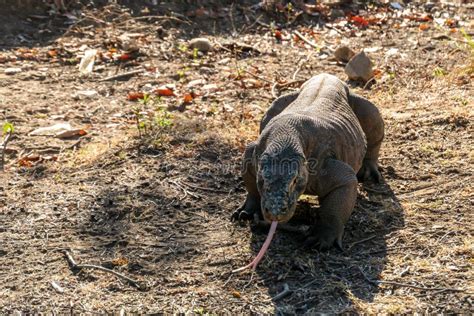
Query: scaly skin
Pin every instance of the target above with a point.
(315, 142)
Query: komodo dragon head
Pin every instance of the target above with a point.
(281, 179)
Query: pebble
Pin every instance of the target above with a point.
(85, 94)
(343, 54)
(202, 44)
(12, 71)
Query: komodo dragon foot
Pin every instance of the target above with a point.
(323, 237)
(248, 210)
(369, 171)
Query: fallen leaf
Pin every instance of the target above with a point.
(278, 35)
(52, 53)
(124, 57)
(120, 261)
(188, 97)
(71, 133)
(424, 27)
(27, 161)
(164, 92)
(358, 20)
(133, 96)
(51, 130)
(450, 23)
(86, 65)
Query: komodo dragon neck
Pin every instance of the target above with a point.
(284, 137)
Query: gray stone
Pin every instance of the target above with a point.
(359, 68)
(202, 44)
(343, 54)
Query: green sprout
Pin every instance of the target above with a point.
(8, 128)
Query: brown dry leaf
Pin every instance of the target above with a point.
(52, 53)
(278, 35)
(71, 133)
(124, 57)
(236, 294)
(133, 96)
(120, 261)
(424, 27)
(164, 92)
(188, 97)
(27, 161)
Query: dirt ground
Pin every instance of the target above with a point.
(149, 190)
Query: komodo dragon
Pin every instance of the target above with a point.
(315, 142)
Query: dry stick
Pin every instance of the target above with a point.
(4, 148)
(122, 75)
(257, 76)
(286, 291)
(377, 282)
(76, 266)
(307, 41)
(203, 188)
(155, 17)
(368, 82)
(361, 241)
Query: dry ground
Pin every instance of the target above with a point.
(156, 207)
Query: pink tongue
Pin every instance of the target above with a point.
(262, 251)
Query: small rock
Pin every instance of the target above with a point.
(85, 94)
(195, 83)
(336, 13)
(202, 44)
(396, 6)
(359, 68)
(343, 54)
(210, 87)
(12, 71)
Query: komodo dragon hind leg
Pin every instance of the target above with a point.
(251, 205)
(337, 200)
(278, 105)
(373, 126)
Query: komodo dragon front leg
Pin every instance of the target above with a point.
(336, 187)
(373, 126)
(251, 205)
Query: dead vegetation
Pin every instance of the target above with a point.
(148, 192)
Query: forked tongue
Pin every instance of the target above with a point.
(262, 251)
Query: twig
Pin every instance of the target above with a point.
(155, 17)
(286, 291)
(4, 148)
(289, 83)
(300, 65)
(75, 266)
(307, 41)
(257, 76)
(377, 282)
(122, 75)
(274, 92)
(203, 188)
(361, 241)
(231, 16)
(368, 82)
